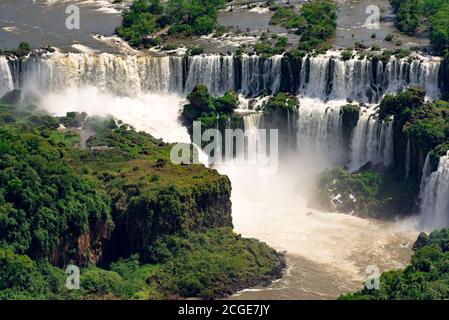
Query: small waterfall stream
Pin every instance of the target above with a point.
(372, 141)
(435, 195)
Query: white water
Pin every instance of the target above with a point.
(319, 135)
(6, 83)
(156, 114)
(372, 141)
(336, 248)
(327, 252)
(435, 196)
(325, 77)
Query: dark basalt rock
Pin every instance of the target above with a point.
(422, 241)
(13, 97)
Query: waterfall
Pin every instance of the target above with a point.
(401, 74)
(435, 195)
(319, 135)
(315, 77)
(323, 77)
(260, 75)
(252, 123)
(6, 82)
(408, 159)
(365, 80)
(372, 141)
(215, 71)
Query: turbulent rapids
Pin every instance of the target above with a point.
(434, 194)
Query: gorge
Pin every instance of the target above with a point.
(314, 141)
(363, 162)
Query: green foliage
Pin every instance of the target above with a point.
(185, 17)
(195, 51)
(266, 49)
(439, 29)
(321, 23)
(357, 193)
(425, 278)
(22, 278)
(402, 104)
(428, 126)
(315, 22)
(100, 282)
(287, 18)
(22, 50)
(206, 265)
(229, 257)
(350, 115)
(227, 103)
(281, 102)
(202, 106)
(52, 195)
(346, 55)
(73, 119)
(42, 200)
(410, 16)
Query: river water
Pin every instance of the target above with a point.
(327, 253)
(43, 23)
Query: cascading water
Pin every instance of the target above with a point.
(332, 248)
(372, 141)
(324, 77)
(259, 75)
(6, 82)
(319, 135)
(435, 195)
(215, 71)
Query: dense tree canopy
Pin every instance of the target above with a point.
(410, 16)
(184, 17)
(42, 200)
(425, 278)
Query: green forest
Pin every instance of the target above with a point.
(138, 226)
(425, 278)
(414, 15)
(180, 17)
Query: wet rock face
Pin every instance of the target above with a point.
(13, 97)
(422, 241)
(444, 78)
(149, 216)
(86, 249)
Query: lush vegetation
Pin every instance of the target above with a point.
(425, 278)
(412, 14)
(145, 18)
(281, 102)
(210, 111)
(139, 226)
(425, 124)
(212, 264)
(368, 193)
(315, 22)
(350, 115)
(266, 49)
(420, 128)
(42, 199)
